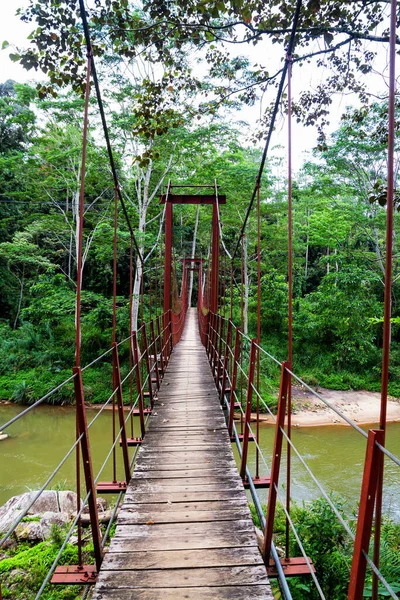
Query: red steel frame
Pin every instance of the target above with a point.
(292, 566)
(369, 488)
(259, 482)
(148, 366)
(83, 573)
(249, 400)
(236, 353)
(155, 354)
(226, 361)
(276, 461)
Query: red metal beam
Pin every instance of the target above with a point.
(87, 466)
(233, 381)
(167, 272)
(214, 261)
(372, 469)
(148, 366)
(138, 382)
(155, 353)
(228, 342)
(249, 401)
(192, 199)
(121, 416)
(72, 575)
(276, 461)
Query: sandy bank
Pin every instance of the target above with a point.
(360, 406)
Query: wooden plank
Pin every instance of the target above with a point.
(194, 505)
(216, 465)
(159, 485)
(168, 530)
(254, 592)
(213, 475)
(181, 559)
(148, 453)
(130, 517)
(228, 539)
(178, 496)
(176, 578)
(184, 530)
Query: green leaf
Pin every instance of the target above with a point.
(4, 45)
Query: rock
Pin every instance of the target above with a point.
(67, 502)
(50, 508)
(48, 502)
(104, 517)
(31, 531)
(260, 539)
(102, 505)
(53, 518)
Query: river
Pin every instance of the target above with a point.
(39, 440)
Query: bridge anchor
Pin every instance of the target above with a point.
(75, 575)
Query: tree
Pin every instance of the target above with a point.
(23, 259)
(340, 36)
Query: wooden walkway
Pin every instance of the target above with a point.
(185, 530)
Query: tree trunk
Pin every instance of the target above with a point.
(307, 243)
(193, 254)
(136, 293)
(21, 294)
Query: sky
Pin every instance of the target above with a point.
(13, 30)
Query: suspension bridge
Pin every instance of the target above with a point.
(183, 527)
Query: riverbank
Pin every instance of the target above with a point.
(362, 407)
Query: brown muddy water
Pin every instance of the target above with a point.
(39, 440)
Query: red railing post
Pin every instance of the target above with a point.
(171, 340)
(215, 346)
(209, 334)
(219, 363)
(138, 383)
(228, 342)
(276, 461)
(167, 269)
(233, 381)
(155, 353)
(148, 366)
(87, 466)
(372, 467)
(118, 386)
(249, 400)
(160, 340)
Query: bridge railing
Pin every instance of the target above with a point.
(236, 361)
(134, 385)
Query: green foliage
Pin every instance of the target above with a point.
(330, 548)
(23, 571)
(22, 393)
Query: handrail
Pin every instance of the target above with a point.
(217, 342)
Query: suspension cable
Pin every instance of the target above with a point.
(289, 52)
(105, 127)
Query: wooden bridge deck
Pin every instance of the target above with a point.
(184, 530)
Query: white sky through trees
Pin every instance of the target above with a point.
(14, 31)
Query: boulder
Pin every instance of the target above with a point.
(67, 502)
(102, 505)
(31, 531)
(51, 507)
(47, 502)
(53, 518)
